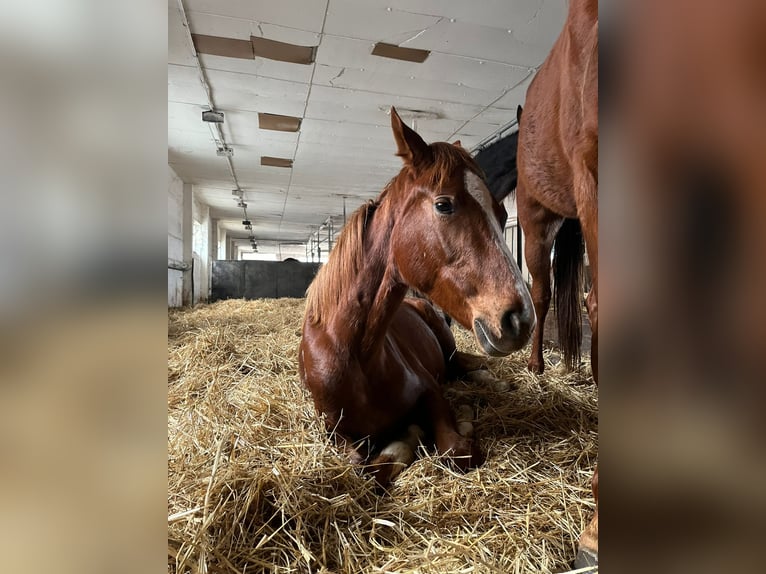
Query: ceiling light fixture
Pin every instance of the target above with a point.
(212, 116)
(413, 114)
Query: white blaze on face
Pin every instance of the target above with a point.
(478, 190)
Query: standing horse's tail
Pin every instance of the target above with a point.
(569, 249)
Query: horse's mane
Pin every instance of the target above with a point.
(346, 257)
(345, 261)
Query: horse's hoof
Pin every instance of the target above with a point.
(466, 454)
(465, 428)
(477, 456)
(535, 367)
(502, 386)
(481, 376)
(586, 558)
(464, 413)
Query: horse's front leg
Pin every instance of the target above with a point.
(540, 227)
(587, 553)
(463, 451)
(586, 187)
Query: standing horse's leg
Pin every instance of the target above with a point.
(586, 188)
(540, 228)
(587, 553)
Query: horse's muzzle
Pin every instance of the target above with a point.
(516, 328)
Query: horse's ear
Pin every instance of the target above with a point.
(457, 144)
(519, 109)
(410, 146)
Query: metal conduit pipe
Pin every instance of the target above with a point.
(215, 129)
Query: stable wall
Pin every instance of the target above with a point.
(261, 279)
(175, 237)
(202, 238)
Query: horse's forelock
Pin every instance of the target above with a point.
(447, 159)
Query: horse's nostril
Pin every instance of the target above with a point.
(515, 323)
(511, 321)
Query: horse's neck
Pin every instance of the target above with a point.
(373, 296)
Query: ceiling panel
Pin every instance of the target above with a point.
(187, 118)
(178, 48)
(184, 85)
(482, 42)
(497, 13)
(259, 67)
(373, 21)
(482, 57)
(362, 106)
(301, 14)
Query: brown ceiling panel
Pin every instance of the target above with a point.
(399, 53)
(278, 123)
(283, 51)
(276, 161)
(218, 46)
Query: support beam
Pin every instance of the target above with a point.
(187, 293)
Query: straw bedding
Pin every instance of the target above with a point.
(255, 485)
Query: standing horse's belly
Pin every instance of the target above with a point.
(547, 178)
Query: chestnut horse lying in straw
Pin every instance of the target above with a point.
(375, 360)
(557, 194)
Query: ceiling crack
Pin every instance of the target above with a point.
(421, 32)
(342, 71)
(536, 14)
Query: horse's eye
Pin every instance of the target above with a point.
(443, 205)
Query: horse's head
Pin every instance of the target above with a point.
(448, 243)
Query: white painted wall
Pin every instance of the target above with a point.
(201, 238)
(221, 246)
(510, 207)
(175, 236)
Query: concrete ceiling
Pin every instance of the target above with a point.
(482, 57)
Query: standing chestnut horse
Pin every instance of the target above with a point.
(374, 360)
(557, 191)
